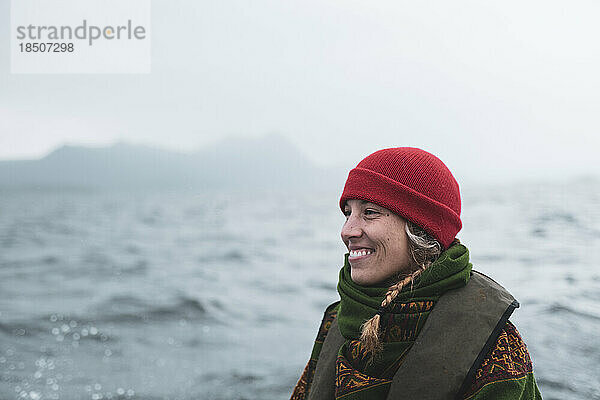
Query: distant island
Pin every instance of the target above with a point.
(269, 162)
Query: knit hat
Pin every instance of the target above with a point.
(412, 183)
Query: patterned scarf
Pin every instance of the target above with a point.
(357, 376)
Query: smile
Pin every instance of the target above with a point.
(356, 254)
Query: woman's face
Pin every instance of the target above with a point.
(377, 243)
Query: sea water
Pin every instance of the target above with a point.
(190, 295)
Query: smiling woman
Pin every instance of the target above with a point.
(414, 321)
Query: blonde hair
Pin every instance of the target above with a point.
(424, 250)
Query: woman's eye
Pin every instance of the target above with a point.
(370, 211)
(347, 213)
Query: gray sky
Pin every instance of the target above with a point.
(493, 88)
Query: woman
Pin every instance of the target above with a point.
(413, 321)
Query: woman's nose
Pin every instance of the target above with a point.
(351, 228)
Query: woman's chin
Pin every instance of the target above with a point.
(361, 279)
(364, 279)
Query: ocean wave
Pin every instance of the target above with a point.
(557, 216)
(231, 256)
(129, 309)
(549, 383)
(60, 327)
(22, 329)
(559, 308)
(321, 285)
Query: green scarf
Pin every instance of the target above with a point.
(360, 303)
(401, 323)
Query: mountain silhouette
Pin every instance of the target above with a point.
(264, 163)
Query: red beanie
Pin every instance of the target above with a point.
(412, 183)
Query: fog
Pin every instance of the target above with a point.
(498, 91)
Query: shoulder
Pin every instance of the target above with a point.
(328, 316)
(507, 362)
(303, 386)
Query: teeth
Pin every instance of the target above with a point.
(359, 253)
